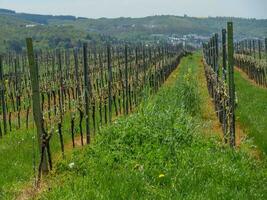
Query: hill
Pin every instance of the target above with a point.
(55, 31)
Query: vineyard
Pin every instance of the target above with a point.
(251, 58)
(154, 121)
(73, 93)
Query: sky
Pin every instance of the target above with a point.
(141, 8)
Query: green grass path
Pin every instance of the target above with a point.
(252, 110)
(161, 152)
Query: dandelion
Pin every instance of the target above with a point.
(161, 175)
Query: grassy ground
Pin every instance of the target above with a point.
(20, 148)
(18, 153)
(161, 152)
(252, 109)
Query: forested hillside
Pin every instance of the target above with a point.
(66, 31)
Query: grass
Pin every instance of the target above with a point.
(251, 110)
(160, 152)
(20, 148)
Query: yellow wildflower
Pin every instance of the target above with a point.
(161, 175)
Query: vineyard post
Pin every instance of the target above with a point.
(126, 79)
(224, 54)
(144, 64)
(109, 84)
(259, 46)
(212, 53)
(250, 47)
(61, 90)
(224, 77)
(86, 92)
(37, 114)
(209, 53)
(213, 67)
(216, 56)
(61, 103)
(231, 81)
(3, 95)
(76, 68)
(16, 79)
(53, 66)
(67, 63)
(266, 47)
(254, 48)
(136, 73)
(101, 86)
(17, 90)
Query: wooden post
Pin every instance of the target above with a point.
(259, 46)
(126, 80)
(38, 116)
(61, 90)
(254, 48)
(17, 90)
(76, 66)
(144, 65)
(61, 139)
(3, 100)
(109, 84)
(224, 77)
(72, 122)
(224, 54)
(231, 81)
(136, 75)
(212, 53)
(250, 47)
(216, 55)
(86, 91)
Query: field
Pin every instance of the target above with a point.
(64, 105)
(138, 147)
(132, 108)
(132, 157)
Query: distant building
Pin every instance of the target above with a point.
(30, 25)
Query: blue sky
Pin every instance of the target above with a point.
(140, 8)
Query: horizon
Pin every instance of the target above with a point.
(182, 15)
(132, 9)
